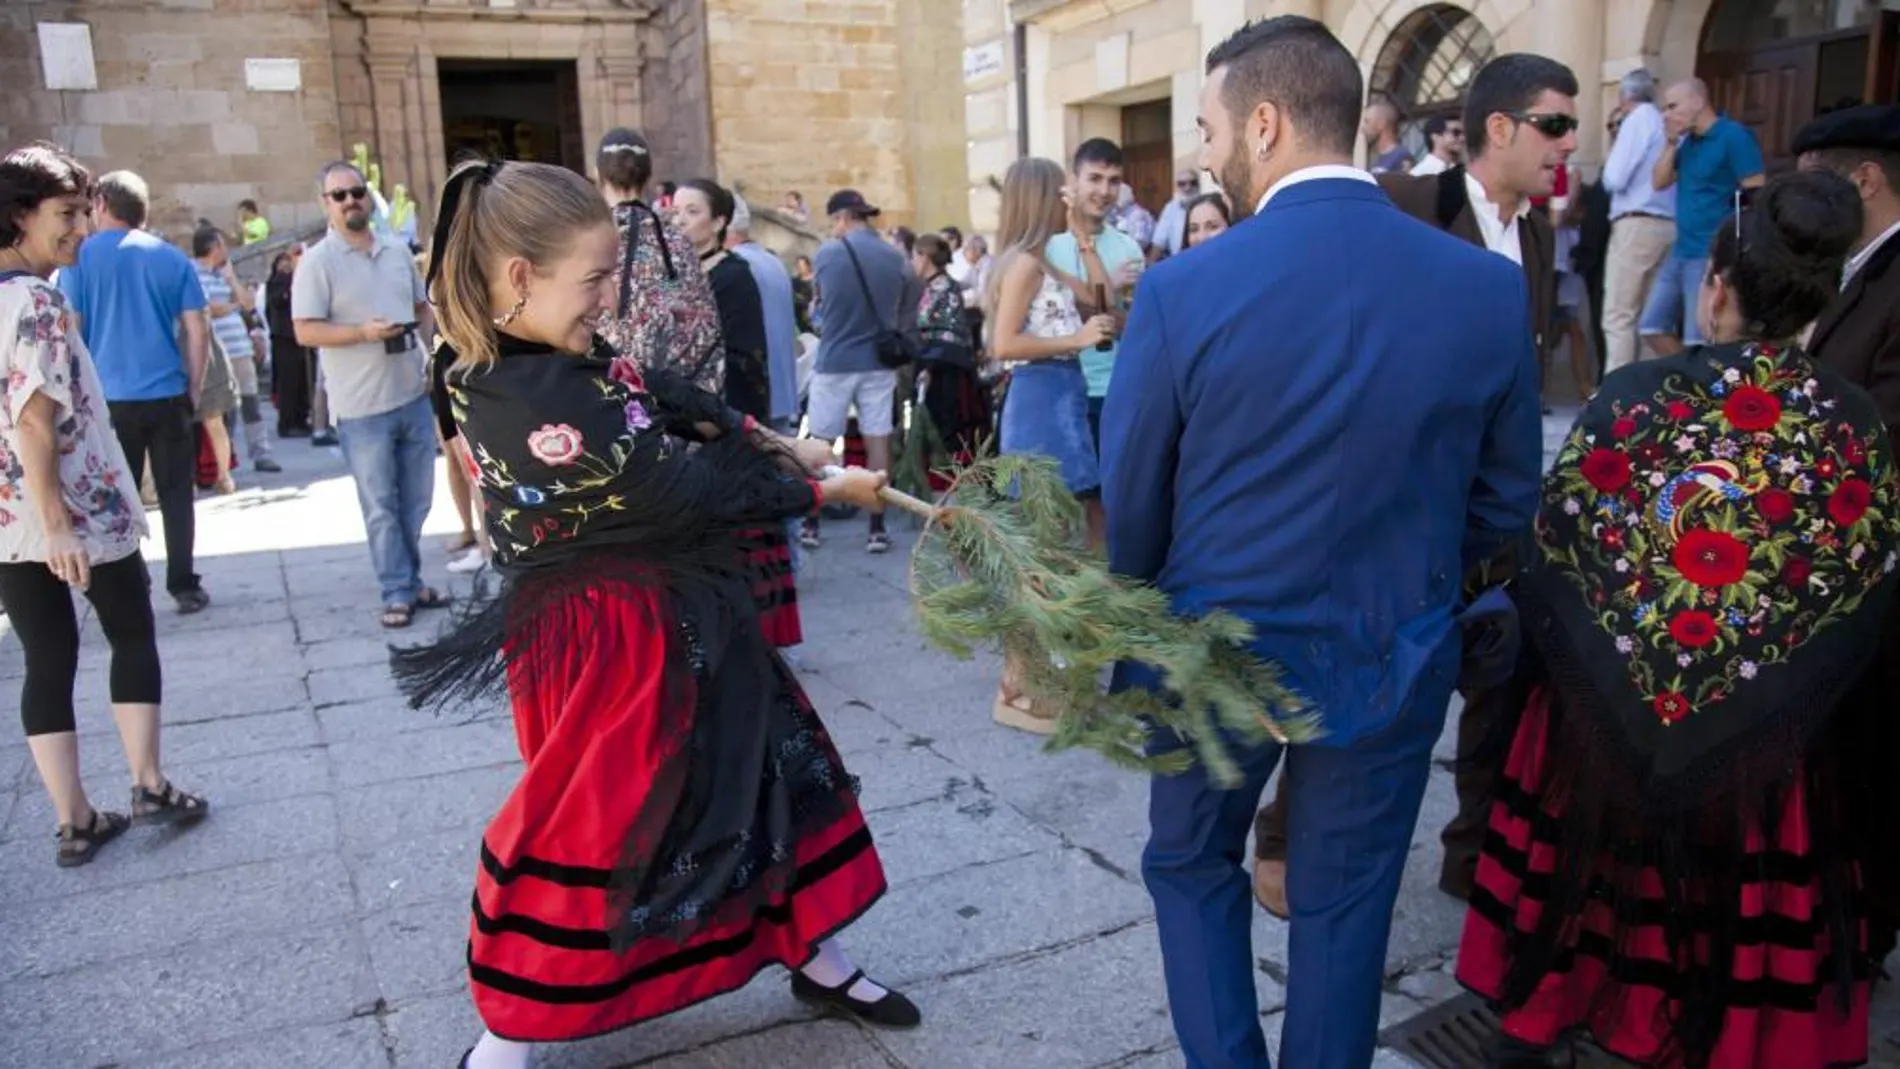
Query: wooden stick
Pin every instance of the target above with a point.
(891, 496)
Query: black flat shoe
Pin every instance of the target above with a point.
(463, 1064)
(891, 1011)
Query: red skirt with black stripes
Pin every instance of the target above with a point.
(1617, 978)
(603, 739)
(774, 587)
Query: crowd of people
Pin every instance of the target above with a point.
(1311, 398)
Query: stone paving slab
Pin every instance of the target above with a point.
(318, 918)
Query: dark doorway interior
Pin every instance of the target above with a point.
(1148, 152)
(512, 110)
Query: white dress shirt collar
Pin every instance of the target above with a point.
(1313, 174)
(1859, 259)
(1500, 236)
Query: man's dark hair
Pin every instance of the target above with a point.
(127, 197)
(32, 175)
(905, 237)
(953, 235)
(1435, 127)
(1099, 151)
(1510, 83)
(1299, 65)
(204, 239)
(248, 205)
(1842, 161)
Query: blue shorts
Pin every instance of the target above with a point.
(1046, 413)
(1671, 309)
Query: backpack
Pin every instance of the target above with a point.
(664, 314)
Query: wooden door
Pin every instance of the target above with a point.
(1770, 90)
(1148, 153)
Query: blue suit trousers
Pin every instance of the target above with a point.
(1352, 813)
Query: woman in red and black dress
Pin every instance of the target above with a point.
(953, 393)
(683, 820)
(703, 209)
(1673, 860)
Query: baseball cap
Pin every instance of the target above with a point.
(850, 200)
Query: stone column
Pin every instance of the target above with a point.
(616, 100)
(1572, 34)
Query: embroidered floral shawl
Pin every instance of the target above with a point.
(1716, 540)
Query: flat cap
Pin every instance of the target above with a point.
(1868, 126)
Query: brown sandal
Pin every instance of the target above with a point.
(1020, 711)
(168, 805)
(78, 845)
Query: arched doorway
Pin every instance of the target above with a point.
(1427, 64)
(1775, 64)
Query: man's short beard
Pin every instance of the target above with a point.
(358, 222)
(1235, 176)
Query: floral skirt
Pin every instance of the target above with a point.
(608, 754)
(1618, 978)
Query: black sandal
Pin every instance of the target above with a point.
(396, 615)
(431, 598)
(167, 806)
(891, 1011)
(78, 845)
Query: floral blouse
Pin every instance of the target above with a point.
(940, 316)
(43, 353)
(664, 314)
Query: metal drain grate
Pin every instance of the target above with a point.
(1458, 1035)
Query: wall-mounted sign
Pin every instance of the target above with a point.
(981, 61)
(66, 55)
(273, 75)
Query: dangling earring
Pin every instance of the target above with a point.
(513, 313)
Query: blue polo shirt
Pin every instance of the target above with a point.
(1709, 169)
(1115, 248)
(129, 288)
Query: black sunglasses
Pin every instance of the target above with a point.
(351, 193)
(1184, 183)
(1551, 126)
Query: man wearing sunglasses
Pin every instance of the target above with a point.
(1521, 112)
(357, 299)
(1708, 159)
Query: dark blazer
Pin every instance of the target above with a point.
(1443, 201)
(1316, 423)
(1859, 334)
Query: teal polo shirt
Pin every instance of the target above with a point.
(1709, 169)
(1115, 248)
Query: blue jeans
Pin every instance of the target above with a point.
(392, 458)
(1671, 309)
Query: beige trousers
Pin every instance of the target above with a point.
(1638, 246)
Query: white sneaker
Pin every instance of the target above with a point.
(468, 563)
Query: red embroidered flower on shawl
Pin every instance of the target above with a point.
(1710, 558)
(1751, 408)
(1775, 505)
(1850, 502)
(1693, 628)
(1607, 469)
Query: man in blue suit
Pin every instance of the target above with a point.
(1316, 423)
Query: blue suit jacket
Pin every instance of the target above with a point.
(1317, 422)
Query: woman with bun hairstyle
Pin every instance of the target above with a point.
(1672, 864)
(683, 820)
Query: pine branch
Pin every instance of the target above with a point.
(1002, 564)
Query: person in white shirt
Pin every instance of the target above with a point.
(1642, 217)
(1170, 233)
(1445, 136)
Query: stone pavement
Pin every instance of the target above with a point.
(318, 918)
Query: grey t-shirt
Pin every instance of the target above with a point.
(339, 284)
(849, 342)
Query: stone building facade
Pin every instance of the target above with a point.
(1042, 75)
(214, 101)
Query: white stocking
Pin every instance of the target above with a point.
(831, 966)
(494, 1052)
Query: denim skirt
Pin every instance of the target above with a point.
(1046, 413)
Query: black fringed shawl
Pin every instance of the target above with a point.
(591, 489)
(1715, 544)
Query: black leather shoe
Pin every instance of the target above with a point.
(891, 1011)
(463, 1064)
